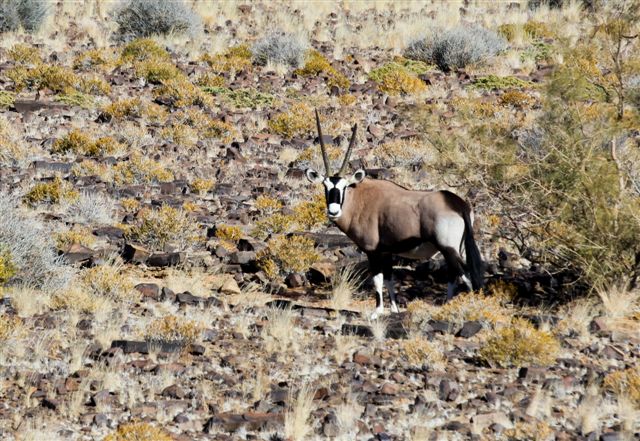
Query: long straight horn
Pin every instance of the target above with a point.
(348, 154)
(325, 158)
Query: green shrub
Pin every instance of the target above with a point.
(242, 98)
(52, 192)
(7, 268)
(494, 82)
(297, 121)
(6, 99)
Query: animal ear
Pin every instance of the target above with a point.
(313, 176)
(357, 177)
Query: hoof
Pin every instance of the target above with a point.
(394, 309)
(376, 314)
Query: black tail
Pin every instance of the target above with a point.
(475, 265)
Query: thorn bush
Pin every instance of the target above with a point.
(144, 18)
(457, 47)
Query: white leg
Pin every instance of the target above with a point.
(392, 295)
(467, 282)
(377, 282)
(451, 290)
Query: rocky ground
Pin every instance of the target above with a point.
(203, 292)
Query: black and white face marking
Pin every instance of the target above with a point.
(334, 189)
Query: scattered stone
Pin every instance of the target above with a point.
(469, 329)
(149, 290)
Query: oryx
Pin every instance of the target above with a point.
(384, 219)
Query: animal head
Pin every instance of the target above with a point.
(335, 185)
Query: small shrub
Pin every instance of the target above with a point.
(94, 85)
(6, 99)
(317, 64)
(107, 281)
(419, 351)
(8, 324)
(143, 49)
(173, 329)
(180, 92)
(158, 228)
(494, 82)
(235, 59)
(242, 98)
(267, 204)
(624, 383)
(280, 49)
(277, 223)
(180, 134)
(539, 51)
(81, 236)
(79, 99)
(79, 143)
(290, 254)
(94, 59)
(297, 121)
(229, 233)
(140, 170)
(138, 432)
(202, 186)
(93, 208)
(402, 152)
(7, 268)
(24, 54)
(10, 145)
(457, 47)
(474, 306)
(130, 205)
(537, 29)
(134, 108)
(52, 192)
(520, 344)
(210, 81)
(347, 99)
(43, 76)
(143, 18)
(475, 107)
(31, 248)
(157, 71)
(508, 31)
(310, 214)
(28, 14)
(89, 167)
(395, 79)
(518, 99)
(78, 299)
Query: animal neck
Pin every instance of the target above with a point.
(348, 209)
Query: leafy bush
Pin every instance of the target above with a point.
(31, 248)
(138, 432)
(474, 306)
(172, 329)
(158, 228)
(94, 59)
(284, 49)
(43, 76)
(143, 18)
(310, 214)
(28, 14)
(520, 344)
(457, 47)
(297, 121)
(81, 236)
(277, 223)
(10, 146)
(516, 98)
(395, 79)
(24, 54)
(52, 192)
(157, 71)
(77, 142)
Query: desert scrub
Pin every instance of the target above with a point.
(457, 47)
(143, 49)
(81, 236)
(8, 326)
(79, 299)
(538, 51)
(277, 223)
(157, 71)
(235, 59)
(475, 107)
(289, 254)
(24, 54)
(94, 59)
(242, 98)
(140, 170)
(7, 268)
(10, 146)
(52, 192)
(403, 153)
(28, 14)
(43, 76)
(230, 233)
(180, 92)
(624, 383)
(537, 29)
(317, 64)
(419, 351)
(205, 126)
(134, 108)
(520, 344)
(517, 99)
(297, 121)
(94, 85)
(31, 247)
(158, 228)
(130, 205)
(143, 18)
(108, 281)
(201, 186)
(396, 79)
(78, 99)
(310, 214)
(6, 99)
(78, 143)
(138, 432)
(347, 99)
(90, 167)
(172, 329)
(494, 82)
(284, 49)
(470, 306)
(267, 204)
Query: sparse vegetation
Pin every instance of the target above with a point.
(283, 49)
(52, 192)
(394, 79)
(317, 64)
(624, 383)
(419, 351)
(137, 170)
(144, 18)
(158, 228)
(26, 14)
(289, 254)
(172, 329)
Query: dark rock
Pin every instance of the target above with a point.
(163, 260)
(167, 295)
(174, 391)
(448, 390)
(149, 290)
(77, 253)
(469, 329)
(441, 326)
(135, 253)
(242, 257)
(295, 280)
(112, 233)
(50, 403)
(84, 325)
(129, 347)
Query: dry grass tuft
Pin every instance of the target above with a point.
(173, 329)
(624, 383)
(419, 351)
(474, 306)
(138, 432)
(296, 420)
(345, 283)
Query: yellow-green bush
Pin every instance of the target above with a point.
(94, 59)
(494, 82)
(138, 432)
(537, 29)
(297, 121)
(107, 281)
(519, 344)
(289, 254)
(157, 228)
(419, 351)
(171, 328)
(140, 170)
(7, 268)
(52, 192)
(143, 49)
(235, 59)
(180, 92)
(94, 85)
(43, 76)
(396, 79)
(135, 108)
(6, 99)
(21, 53)
(310, 214)
(89, 167)
(77, 142)
(474, 306)
(316, 64)
(517, 98)
(208, 80)
(277, 223)
(624, 383)
(230, 233)
(508, 31)
(201, 185)
(81, 236)
(157, 71)
(268, 204)
(8, 326)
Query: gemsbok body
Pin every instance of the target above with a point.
(384, 219)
